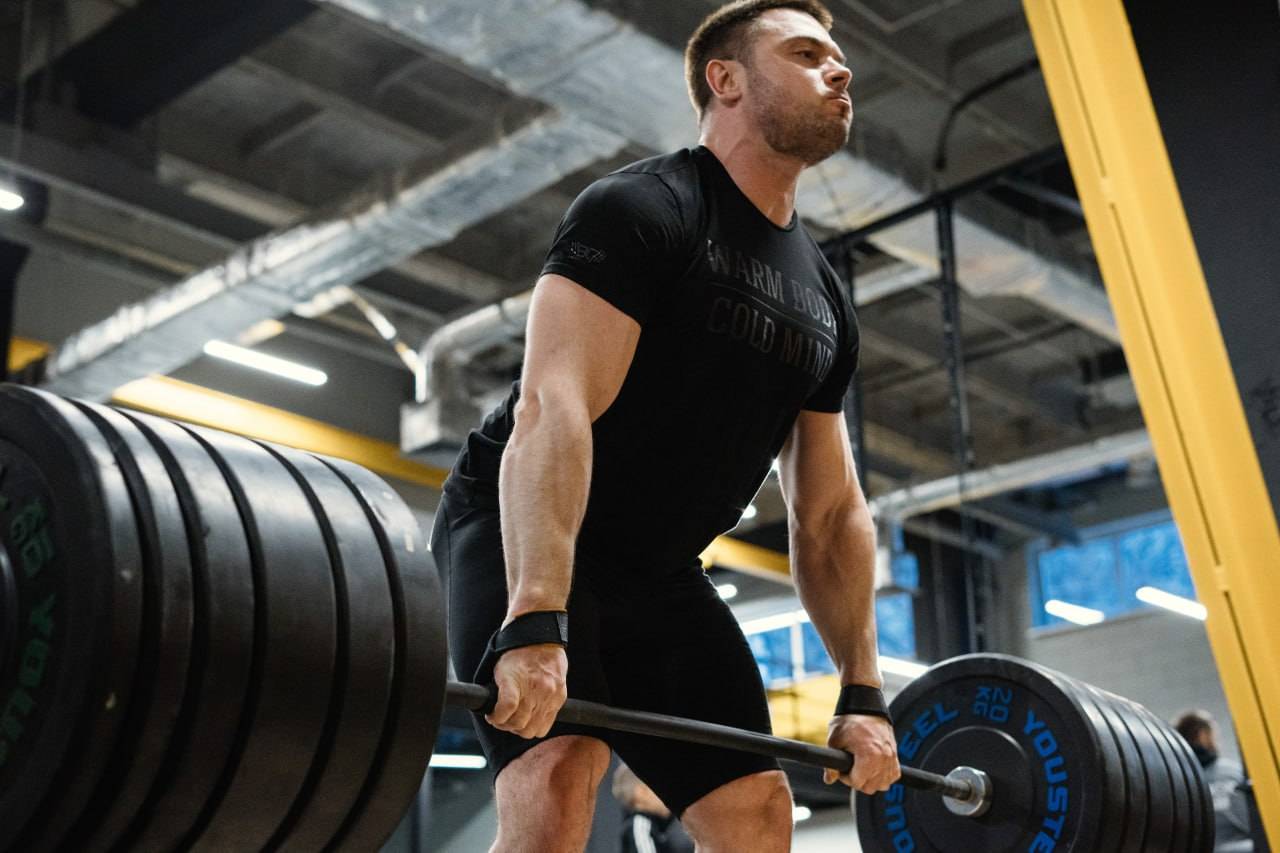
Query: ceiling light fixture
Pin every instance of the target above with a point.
(1175, 603)
(905, 668)
(10, 200)
(266, 363)
(1073, 612)
(444, 761)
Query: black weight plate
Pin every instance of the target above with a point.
(165, 652)
(362, 683)
(1177, 782)
(1014, 721)
(109, 658)
(1115, 832)
(293, 651)
(1134, 805)
(1162, 831)
(418, 681)
(1189, 817)
(1159, 799)
(222, 641)
(68, 642)
(1207, 830)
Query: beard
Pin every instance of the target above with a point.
(792, 129)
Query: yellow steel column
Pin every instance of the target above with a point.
(1176, 354)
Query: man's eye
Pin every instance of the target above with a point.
(807, 54)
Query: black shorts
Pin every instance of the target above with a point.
(669, 645)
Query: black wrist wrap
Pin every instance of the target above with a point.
(532, 629)
(862, 699)
(527, 629)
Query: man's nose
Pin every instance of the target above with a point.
(838, 77)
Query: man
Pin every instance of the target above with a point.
(685, 332)
(1226, 782)
(648, 825)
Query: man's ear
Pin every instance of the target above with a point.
(725, 77)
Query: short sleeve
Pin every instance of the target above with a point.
(830, 394)
(623, 239)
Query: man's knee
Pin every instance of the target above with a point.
(559, 775)
(754, 807)
(772, 794)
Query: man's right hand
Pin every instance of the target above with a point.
(531, 689)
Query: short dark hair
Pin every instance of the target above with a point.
(1190, 724)
(726, 34)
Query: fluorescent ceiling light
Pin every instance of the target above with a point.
(727, 590)
(10, 200)
(800, 813)
(458, 762)
(1176, 603)
(905, 668)
(774, 622)
(266, 363)
(1073, 612)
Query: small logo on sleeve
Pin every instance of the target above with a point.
(583, 252)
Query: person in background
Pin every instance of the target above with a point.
(1226, 781)
(647, 825)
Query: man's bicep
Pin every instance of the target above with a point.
(816, 465)
(578, 346)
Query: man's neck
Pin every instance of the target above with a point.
(765, 177)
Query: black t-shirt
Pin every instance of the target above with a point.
(743, 324)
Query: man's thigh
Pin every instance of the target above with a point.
(682, 653)
(467, 545)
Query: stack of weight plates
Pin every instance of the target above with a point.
(206, 642)
(1073, 768)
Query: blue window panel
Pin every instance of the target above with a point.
(772, 651)
(1153, 556)
(816, 659)
(1083, 574)
(905, 570)
(896, 625)
(1113, 563)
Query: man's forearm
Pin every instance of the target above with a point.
(833, 566)
(543, 485)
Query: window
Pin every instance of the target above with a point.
(791, 652)
(896, 625)
(1107, 568)
(772, 651)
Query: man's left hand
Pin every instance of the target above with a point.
(871, 741)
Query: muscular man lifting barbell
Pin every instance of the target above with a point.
(686, 330)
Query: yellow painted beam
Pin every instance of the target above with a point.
(1176, 355)
(745, 557)
(23, 351)
(171, 398)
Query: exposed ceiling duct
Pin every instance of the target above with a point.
(267, 277)
(1082, 459)
(445, 408)
(589, 63)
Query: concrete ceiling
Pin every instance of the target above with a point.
(165, 144)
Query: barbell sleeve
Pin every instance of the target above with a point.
(475, 697)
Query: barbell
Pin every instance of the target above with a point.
(213, 643)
